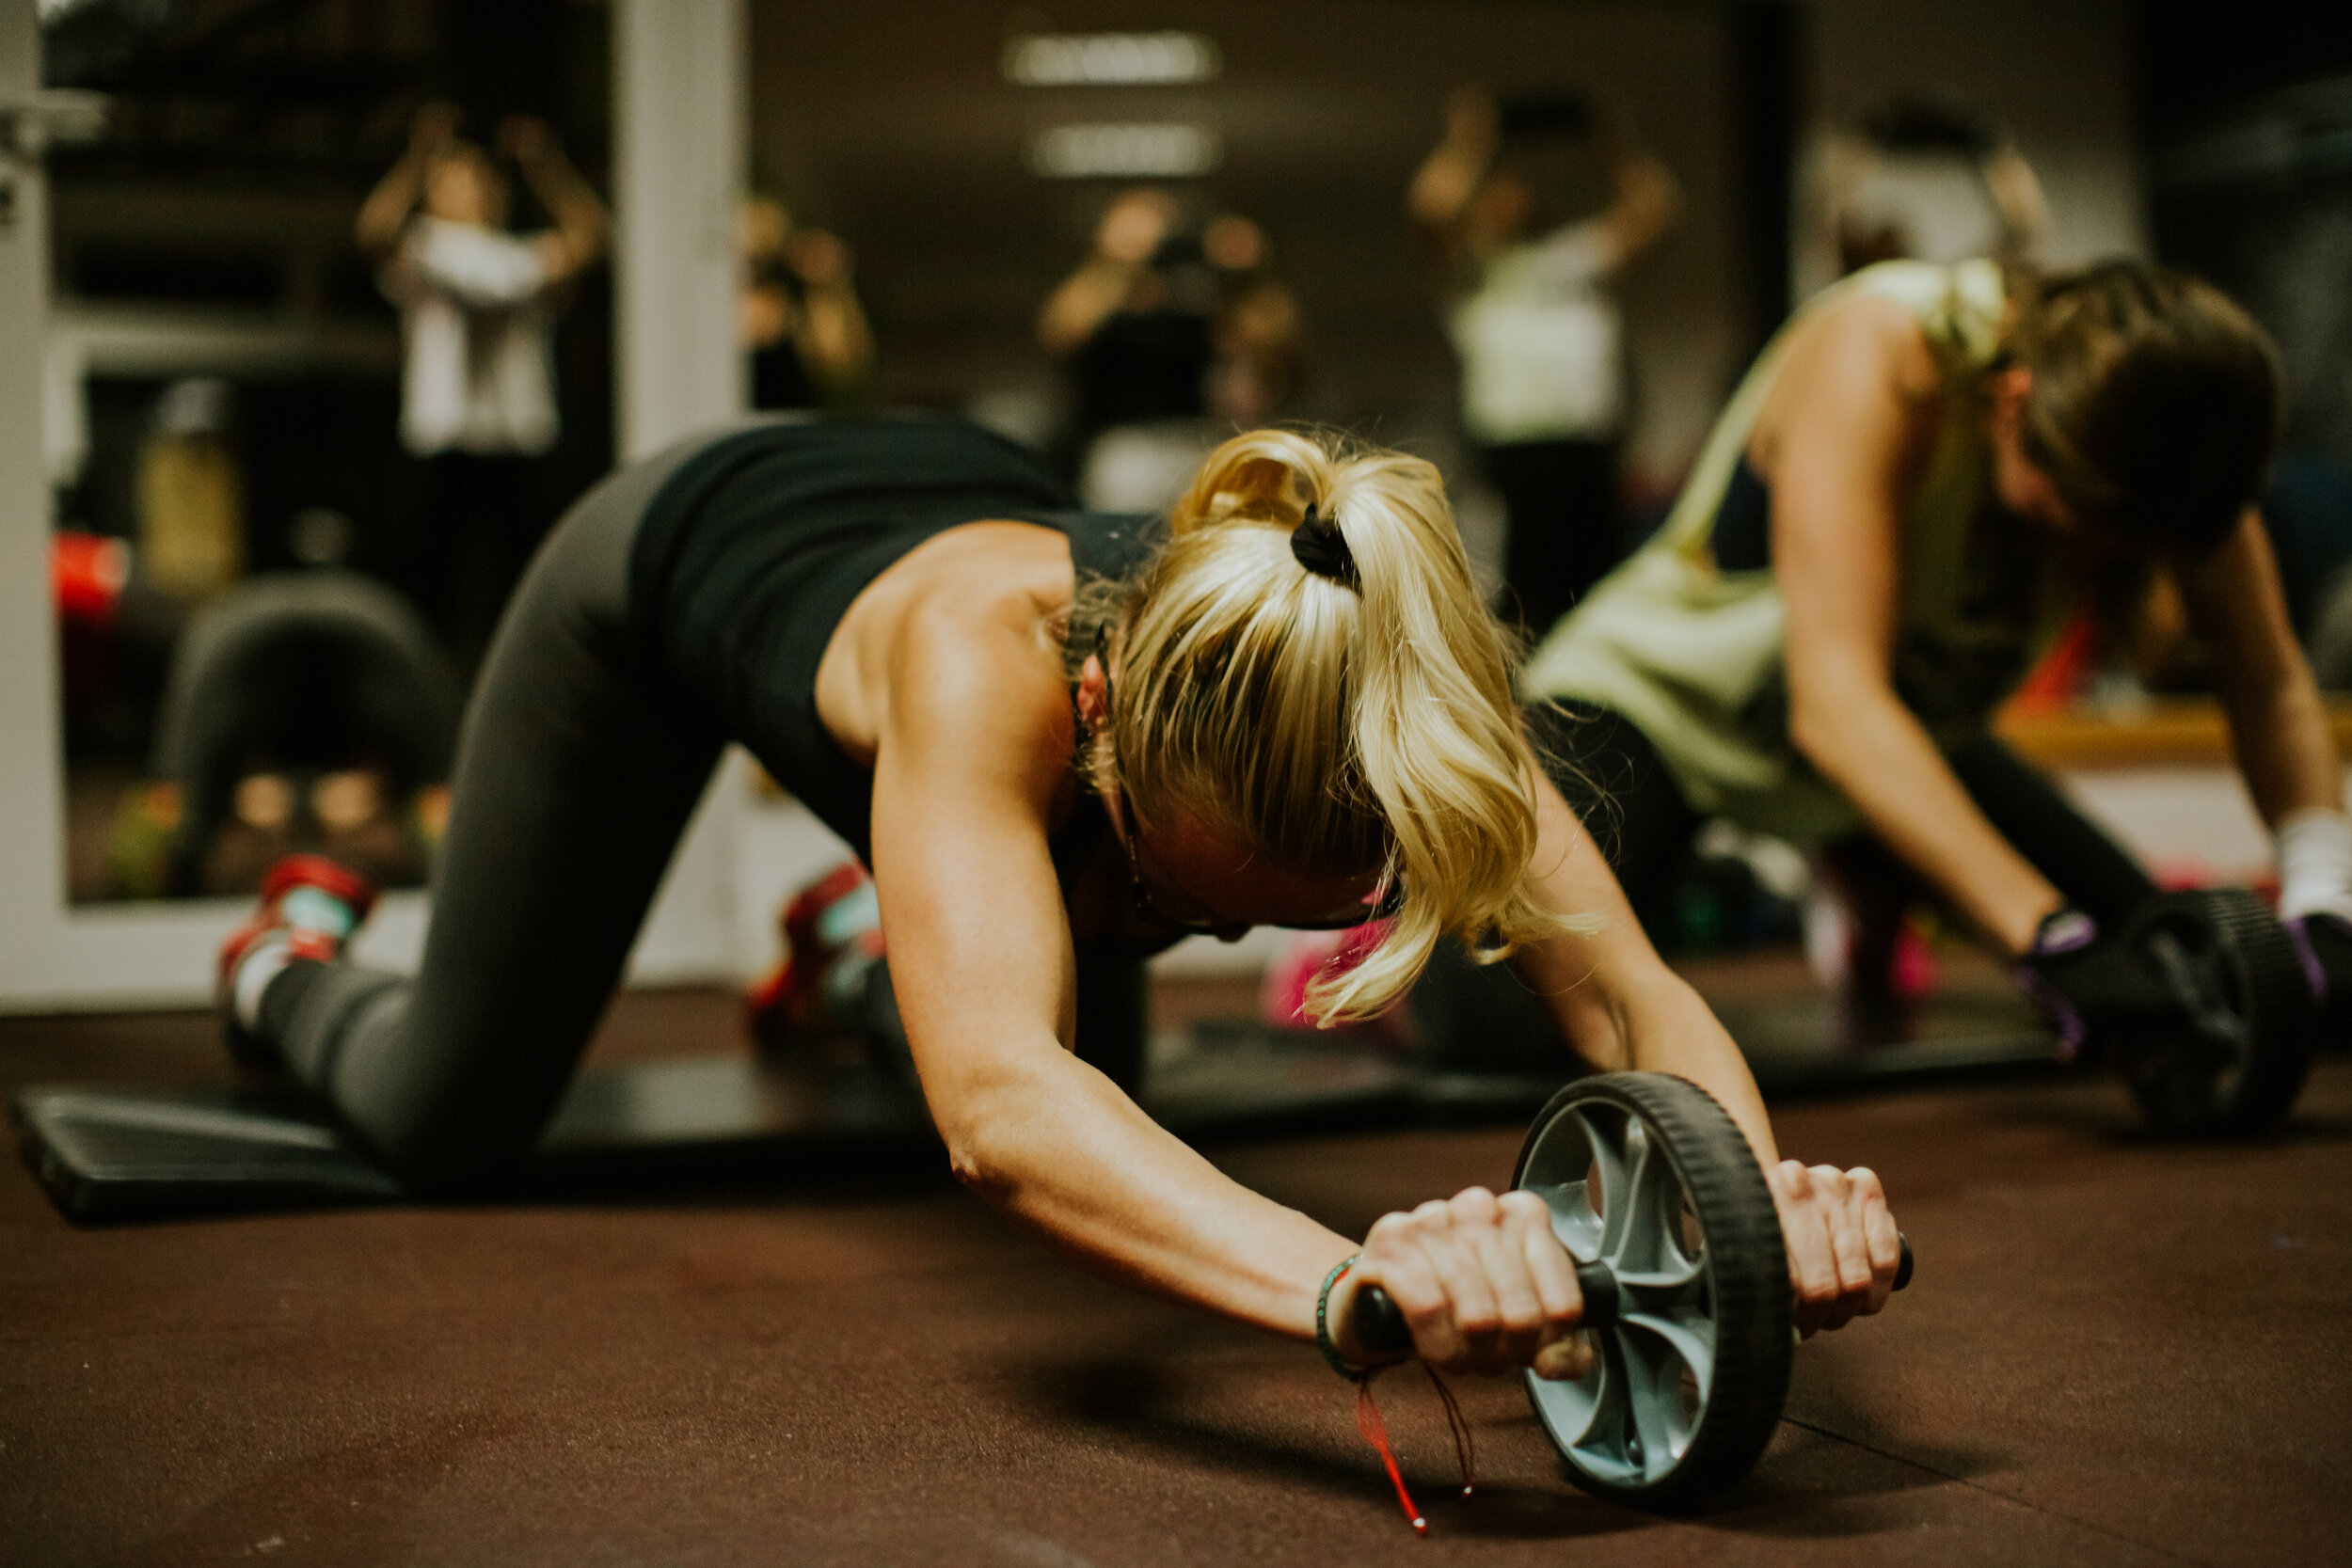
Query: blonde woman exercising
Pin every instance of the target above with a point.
(1061, 741)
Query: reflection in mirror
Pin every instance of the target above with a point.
(329, 353)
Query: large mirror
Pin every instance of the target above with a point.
(329, 348)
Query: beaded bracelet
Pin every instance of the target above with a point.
(1338, 1363)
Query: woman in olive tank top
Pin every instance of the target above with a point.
(1881, 534)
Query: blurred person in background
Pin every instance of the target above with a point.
(1255, 338)
(1926, 177)
(807, 335)
(1921, 480)
(1174, 338)
(191, 493)
(1528, 304)
(477, 307)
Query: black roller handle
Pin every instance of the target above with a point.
(1381, 1325)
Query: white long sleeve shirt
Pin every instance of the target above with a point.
(1541, 342)
(473, 307)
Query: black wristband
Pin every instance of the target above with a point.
(1338, 1363)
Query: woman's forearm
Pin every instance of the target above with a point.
(1675, 1031)
(1871, 747)
(1643, 1017)
(1611, 997)
(579, 211)
(834, 337)
(1445, 182)
(2277, 722)
(1055, 1145)
(1647, 203)
(386, 208)
(1450, 176)
(2285, 750)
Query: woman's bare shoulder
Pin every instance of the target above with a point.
(972, 664)
(1862, 364)
(1869, 339)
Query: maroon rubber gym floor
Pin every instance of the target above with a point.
(2116, 1352)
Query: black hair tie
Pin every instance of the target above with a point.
(1322, 548)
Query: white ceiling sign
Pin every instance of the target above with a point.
(1109, 59)
(1137, 151)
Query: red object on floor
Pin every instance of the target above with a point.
(1912, 971)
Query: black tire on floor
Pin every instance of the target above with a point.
(1739, 1291)
(2234, 1065)
(305, 671)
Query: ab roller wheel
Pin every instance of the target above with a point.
(2230, 1055)
(1648, 1179)
(1657, 1195)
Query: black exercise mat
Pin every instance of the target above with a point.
(108, 1155)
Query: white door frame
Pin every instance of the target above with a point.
(679, 96)
(681, 140)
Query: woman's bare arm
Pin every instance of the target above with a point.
(1124, 242)
(1611, 994)
(386, 212)
(582, 226)
(1645, 199)
(1450, 176)
(2278, 723)
(1621, 1008)
(830, 329)
(1842, 425)
(1083, 301)
(975, 744)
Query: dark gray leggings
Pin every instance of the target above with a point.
(1620, 786)
(574, 779)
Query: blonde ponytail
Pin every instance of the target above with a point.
(1338, 727)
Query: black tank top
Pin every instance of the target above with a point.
(750, 555)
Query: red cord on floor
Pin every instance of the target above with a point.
(1376, 1432)
(1465, 1449)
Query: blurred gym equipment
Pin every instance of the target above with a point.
(297, 679)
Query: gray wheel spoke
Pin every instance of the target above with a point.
(1570, 1410)
(1620, 1149)
(1676, 1293)
(1573, 1219)
(1610, 1441)
(1648, 1244)
(1690, 1334)
(1654, 1363)
(1559, 1172)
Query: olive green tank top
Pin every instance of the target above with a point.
(1694, 654)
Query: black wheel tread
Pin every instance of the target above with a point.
(2278, 998)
